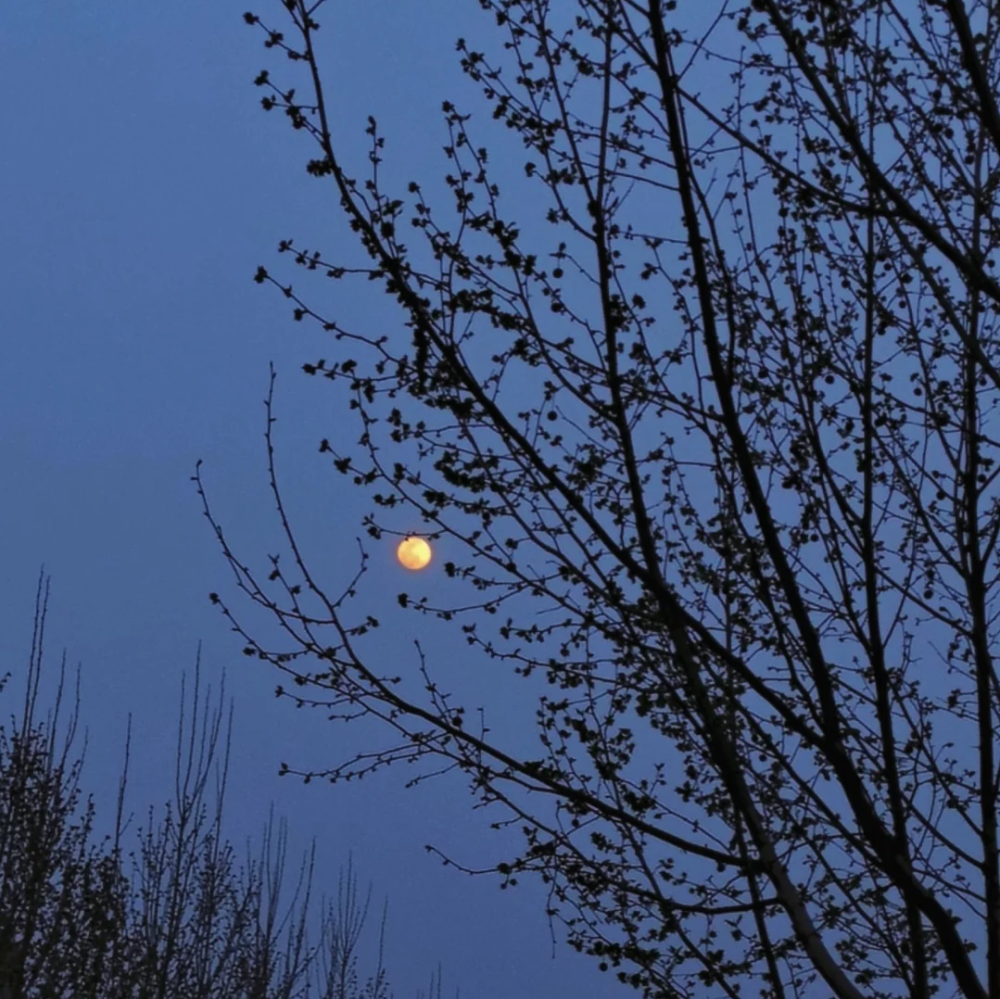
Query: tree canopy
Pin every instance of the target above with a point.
(187, 924)
(733, 424)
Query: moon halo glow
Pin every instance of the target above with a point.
(413, 553)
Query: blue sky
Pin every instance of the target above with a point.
(143, 187)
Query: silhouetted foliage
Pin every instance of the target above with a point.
(189, 924)
(733, 426)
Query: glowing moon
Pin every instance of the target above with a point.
(414, 553)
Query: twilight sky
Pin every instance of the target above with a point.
(143, 186)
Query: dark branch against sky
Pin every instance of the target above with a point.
(143, 188)
(815, 420)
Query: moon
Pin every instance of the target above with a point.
(414, 553)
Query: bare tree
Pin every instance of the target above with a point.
(63, 900)
(734, 426)
(188, 924)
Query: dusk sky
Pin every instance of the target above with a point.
(143, 186)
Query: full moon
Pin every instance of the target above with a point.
(414, 553)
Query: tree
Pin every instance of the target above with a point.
(63, 901)
(73, 925)
(756, 486)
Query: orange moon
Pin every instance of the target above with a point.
(414, 553)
